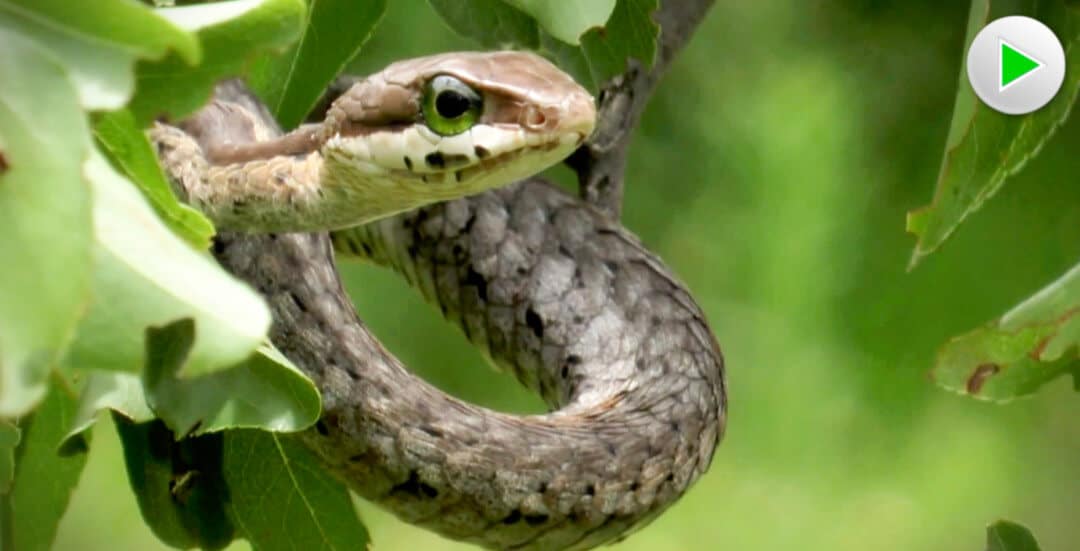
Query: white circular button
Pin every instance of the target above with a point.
(1016, 65)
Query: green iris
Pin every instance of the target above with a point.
(450, 106)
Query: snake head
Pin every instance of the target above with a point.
(448, 125)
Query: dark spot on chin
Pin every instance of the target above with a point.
(435, 160)
(482, 152)
(458, 176)
(979, 377)
(408, 162)
(321, 427)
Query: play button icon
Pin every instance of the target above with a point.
(1016, 65)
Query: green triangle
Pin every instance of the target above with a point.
(1014, 65)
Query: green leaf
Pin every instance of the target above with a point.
(283, 498)
(1005, 535)
(145, 276)
(129, 149)
(9, 439)
(630, 33)
(493, 23)
(985, 147)
(116, 391)
(179, 486)
(46, 221)
(567, 21)
(99, 42)
(232, 34)
(263, 487)
(265, 391)
(1033, 343)
(44, 480)
(292, 83)
(604, 50)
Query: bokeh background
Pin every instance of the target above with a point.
(772, 170)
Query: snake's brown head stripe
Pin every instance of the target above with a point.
(516, 113)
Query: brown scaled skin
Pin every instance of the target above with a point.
(565, 299)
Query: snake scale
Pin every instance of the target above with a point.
(550, 289)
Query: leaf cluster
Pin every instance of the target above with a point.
(1039, 339)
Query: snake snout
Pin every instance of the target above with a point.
(579, 113)
(571, 119)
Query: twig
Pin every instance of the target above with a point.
(601, 163)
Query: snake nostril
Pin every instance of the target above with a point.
(534, 118)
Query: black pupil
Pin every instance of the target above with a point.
(450, 104)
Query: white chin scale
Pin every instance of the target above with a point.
(419, 150)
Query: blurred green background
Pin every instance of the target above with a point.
(772, 170)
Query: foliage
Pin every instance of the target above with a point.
(1038, 340)
(291, 83)
(44, 480)
(259, 486)
(985, 147)
(1004, 535)
(116, 304)
(630, 33)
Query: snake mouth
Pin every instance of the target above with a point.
(484, 165)
(484, 157)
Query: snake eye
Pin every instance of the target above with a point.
(450, 106)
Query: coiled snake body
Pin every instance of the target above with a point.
(552, 290)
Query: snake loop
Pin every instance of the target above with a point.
(567, 300)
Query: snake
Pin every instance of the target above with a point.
(428, 168)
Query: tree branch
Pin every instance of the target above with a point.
(601, 163)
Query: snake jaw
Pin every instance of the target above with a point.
(484, 157)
